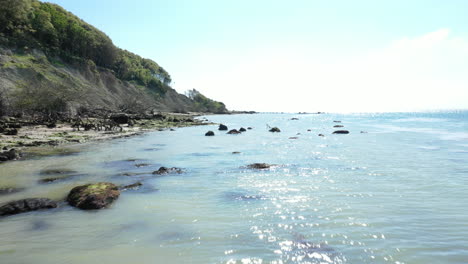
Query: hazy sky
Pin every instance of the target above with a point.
(299, 55)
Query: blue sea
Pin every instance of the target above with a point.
(393, 190)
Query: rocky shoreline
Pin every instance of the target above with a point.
(24, 137)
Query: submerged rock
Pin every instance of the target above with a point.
(341, 132)
(56, 172)
(26, 205)
(336, 121)
(233, 132)
(275, 129)
(209, 133)
(222, 127)
(338, 126)
(93, 196)
(165, 170)
(134, 186)
(236, 152)
(259, 166)
(293, 138)
(321, 135)
(8, 190)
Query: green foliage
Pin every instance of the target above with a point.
(204, 104)
(51, 28)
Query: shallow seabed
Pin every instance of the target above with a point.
(396, 194)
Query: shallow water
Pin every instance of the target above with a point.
(396, 194)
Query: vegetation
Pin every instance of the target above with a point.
(204, 104)
(29, 24)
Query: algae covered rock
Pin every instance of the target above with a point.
(93, 196)
(26, 205)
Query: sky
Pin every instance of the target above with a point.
(299, 55)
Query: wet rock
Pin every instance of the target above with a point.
(209, 133)
(294, 118)
(93, 196)
(57, 172)
(236, 152)
(134, 186)
(26, 205)
(11, 132)
(309, 130)
(249, 128)
(233, 132)
(139, 165)
(341, 132)
(338, 126)
(259, 166)
(275, 129)
(165, 170)
(9, 190)
(11, 154)
(222, 127)
(321, 135)
(242, 129)
(120, 118)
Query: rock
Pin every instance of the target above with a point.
(171, 129)
(134, 186)
(336, 121)
(259, 166)
(139, 165)
(11, 132)
(56, 172)
(293, 138)
(308, 130)
(338, 126)
(341, 132)
(120, 118)
(93, 196)
(233, 132)
(321, 135)
(242, 129)
(51, 125)
(26, 205)
(209, 133)
(165, 170)
(363, 132)
(275, 129)
(8, 190)
(3, 158)
(249, 128)
(11, 154)
(294, 118)
(222, 127)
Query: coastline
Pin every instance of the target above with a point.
(31, 140)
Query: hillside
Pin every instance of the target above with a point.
(53, 62)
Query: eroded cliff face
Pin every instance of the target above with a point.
(31, 76)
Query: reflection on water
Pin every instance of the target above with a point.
(393, 195)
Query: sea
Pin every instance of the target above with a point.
(393, 190)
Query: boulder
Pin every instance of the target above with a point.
(341, 132)
(259, 166)
(222, 127)
(233, 132)
(209, 133)
(26, 205)
(93, 196)
(121, 118)
(165, 170)
(242, 129)
(275, 129)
